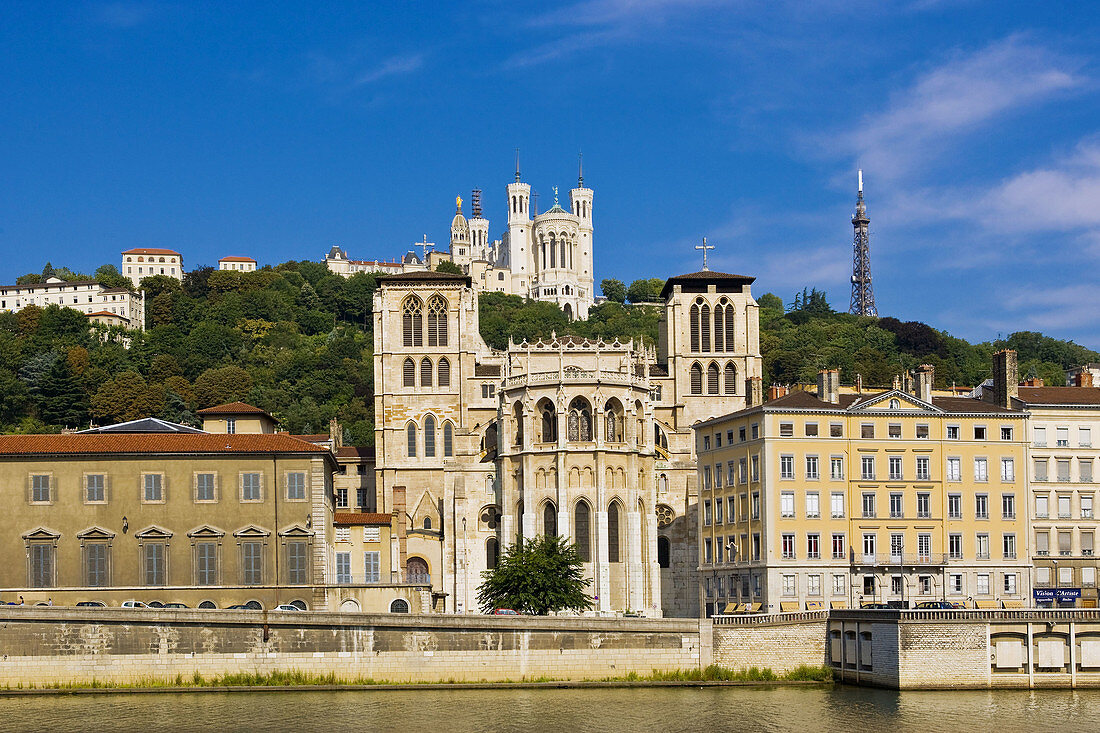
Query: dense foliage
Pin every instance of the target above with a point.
(536, 576)
(296, 340)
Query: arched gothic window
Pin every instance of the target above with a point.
(712, 378)
(409, 373)
(613, 421)
(437, 321)
(613, 532)
(731, 329)
(580, 420)
(492, 552)
(426, 372)
(412, 321)
(517, 413)
(582, 530)
(561, 238)
(448, 440)
(553, 250)
(410, 440)
(663, 553)
(695, 328)
(731, 378)
(549, 519)
(704, 327)
(444, 372)
(719, 328)
(549, 419)
(429, 437)
(696, 379)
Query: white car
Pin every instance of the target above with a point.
(133, 604)
(286, 607)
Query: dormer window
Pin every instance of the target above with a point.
(895, 404)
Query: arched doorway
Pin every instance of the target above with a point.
(416, 571)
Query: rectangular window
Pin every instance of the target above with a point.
(897, 543)
(893, 430)
(840, 585)
(979, 432)
(742, 471)
(1063, 470)
(206, 563)
(895, 468)
(867, 468)
(40, 488)
(155, 559)
(1086, 506)
(1042, 507)
(204, 487)
(362, 500)
(755, 505)
(41, 565)
(706, 442)
(954, 469)
(1084, 437)
(813, 585)
(1084, 470)
(343, 568)
(342, 534)
(895, 584)
(955, 583)
(741, 434)
(296, 486)
(252, 563)
(924, 505)
(372, 534)
(836, 468)
(786, 430)
(1042, 544)
(1041, 469)
(1008, 506)
(250, 487)
(297, 563)
(231, 426)
(983, 584)
(1042, 576)
(1040, 437)
(755, 468)
(1064, 507)
(706, 478)
(730, 474)
(708, 554)
(1008, 470)
(1006, 433)
(811, 429)
(981, 546)
(706, 513)
(952, 432)
(922, 432)
(789, 587)
(1008, 546)
(341, 498)
(925, 585)
(718, 506)
(839, 548)
(786, 467)
(897, 505)
(981, 469)
(868, 547)
(154, 489)
(869, 505)
(717, 440)
(718, 475)
(836, 504)
(923, 471)
(813, 505)
(1061, 437)
(813, 546)
(94, 491)
(812, 468)
(1010, 584)
(867, 430)
(787, 546)
(836, 430)
(372, 566)
(786, 504)
(1088, 577)
(95, 564)
(981, 506)
(1065, 576)
(955, 546)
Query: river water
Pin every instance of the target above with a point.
(838, 708)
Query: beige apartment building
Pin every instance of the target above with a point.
(142, 262)
(834, 500)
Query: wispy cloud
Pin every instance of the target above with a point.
(355, 71)
(394, 66)
(960, 96)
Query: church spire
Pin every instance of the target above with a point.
(580, 170)
(517, 165)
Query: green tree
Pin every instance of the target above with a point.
(449, 267)
(62, 399)
(109, 277)
(536, 576)
(645, 291)
(127, 397)
(614, 290)
(219, 386)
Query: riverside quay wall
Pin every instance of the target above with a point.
(44, 646)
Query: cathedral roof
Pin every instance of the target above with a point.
(427, 275)
(555, 209)
(705, 277)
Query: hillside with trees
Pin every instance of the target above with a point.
(296, 340)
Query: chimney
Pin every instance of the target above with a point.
(776, 391)
(754, 391)
(859, 384)
(1082, 379)
(1006, 378)
(828, 386)
(925, 378)
(907, 383)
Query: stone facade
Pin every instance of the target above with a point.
(589, 439)
(143, 262)
(109, 306)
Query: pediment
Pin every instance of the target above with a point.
(153, 532)
(252, 531)
(96, 533)
(295, 530)
(205, 530)
(893, 401)
(42, 533)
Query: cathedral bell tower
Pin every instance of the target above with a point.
(581, 201)
(461, 245)
(519, 233)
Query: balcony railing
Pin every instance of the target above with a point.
(905, 558)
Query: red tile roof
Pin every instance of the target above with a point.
(371, 518)
(233, 408)
(355, 451)
(164, 443)
(150, 251)
(236, 258)
(313, 437)
(1060, 395)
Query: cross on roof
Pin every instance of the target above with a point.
(704, 246)
(424, 247)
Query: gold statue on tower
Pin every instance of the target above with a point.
(458, 203)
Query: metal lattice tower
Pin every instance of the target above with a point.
(863, 295)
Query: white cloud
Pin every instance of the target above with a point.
(394, 66)
(958, 97)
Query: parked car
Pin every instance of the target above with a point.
(880, 606)
(504, 612)
(98, 604)
(937, 605)
(133, 604)
(286, 607)
(155, 604)
(250, 606)
(175, 605)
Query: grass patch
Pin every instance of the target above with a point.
(716, 673)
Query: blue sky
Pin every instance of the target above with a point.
(277, 130)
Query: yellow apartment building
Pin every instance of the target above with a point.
(834, 500)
